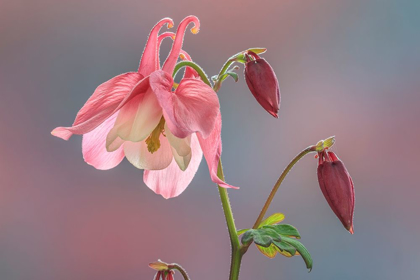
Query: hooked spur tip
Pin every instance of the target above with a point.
(182, 56)
(195, 30)
(168, 21)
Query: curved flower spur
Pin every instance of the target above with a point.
(164, 132)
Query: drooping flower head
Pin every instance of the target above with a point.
(137, 115)
(337, 187)
(262, 82)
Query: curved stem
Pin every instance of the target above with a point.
(196, 67)
(180, 269)
(239, 57)
(236, 256)
(278, 183)
(225, 67)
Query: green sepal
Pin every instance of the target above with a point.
(240, 56)
(272, 220)
(257, 50)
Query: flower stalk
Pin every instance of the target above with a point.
(278, 183)
(236, 256)
(180, 269)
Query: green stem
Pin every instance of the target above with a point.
(180, 269)
(196, 67)
(278, 183)
(236, 256)
(225, 67)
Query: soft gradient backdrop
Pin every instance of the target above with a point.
(346, 68)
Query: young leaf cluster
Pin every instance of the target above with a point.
(272, 238)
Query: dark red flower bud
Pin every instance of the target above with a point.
(158, 275)
(337, 187)
(262, 82)
(170, 275)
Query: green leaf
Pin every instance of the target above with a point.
(248, 237)
(271, 239)
(285, 229)
(301, 249)
(270, 251)
(273, 219)
(285, 248)
(242, 231)
(263, 237)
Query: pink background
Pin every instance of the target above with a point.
(346, 68)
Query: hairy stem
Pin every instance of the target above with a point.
(278, 183)
(196, 67)
(180, 269)
(236, 256)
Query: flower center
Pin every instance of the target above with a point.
(153, 142)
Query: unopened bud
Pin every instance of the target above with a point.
(337, 187)
(263, 84)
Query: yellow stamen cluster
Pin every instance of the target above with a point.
(153, 142)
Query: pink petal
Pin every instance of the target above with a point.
(181, 145)
(189, 72)
(181, 148)
(93, 147)
(136, 120)
(170, 62)
(212, 149)
(150, 58)
(192, 108)
(101, 105)
(140, 157)
(171, 182)
(160, 39)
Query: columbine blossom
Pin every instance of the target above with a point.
(137, 115)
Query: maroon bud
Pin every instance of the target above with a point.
(263, 84)
(170, 275)
(158, 275)
(337, 187)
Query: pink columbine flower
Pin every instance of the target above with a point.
(337, 187)
(137, 115)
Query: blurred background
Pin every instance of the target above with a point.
(346, 68)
